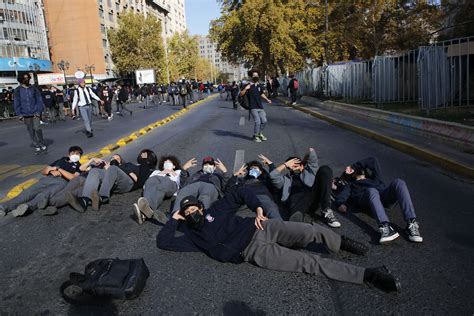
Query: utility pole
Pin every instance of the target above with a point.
(326, 31)
(63, 65)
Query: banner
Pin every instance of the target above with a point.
(51, 79)
(145, 76)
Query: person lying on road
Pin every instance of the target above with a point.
(271, 244)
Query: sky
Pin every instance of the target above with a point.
(199, 14)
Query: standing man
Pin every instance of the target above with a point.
(255, 95)
(293, 86)
(183, 92)
(122, 98)
(28, 106)
(83, 98)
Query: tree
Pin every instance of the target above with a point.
(137, 43)
(183, 55)
(203, 70)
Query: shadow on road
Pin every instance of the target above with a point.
(237, 308)
(219, 132)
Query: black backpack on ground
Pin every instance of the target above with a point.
(106, 278)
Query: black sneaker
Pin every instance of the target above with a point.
(330, 218)
(79, 204)
(382, 278)
(413, 231)
(89, 135)
(353, 246)
(104, 200)
(387, 233)
(95, 201)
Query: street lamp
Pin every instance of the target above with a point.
(89, 69)
(63, 65)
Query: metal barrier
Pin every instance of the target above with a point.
(439, 75)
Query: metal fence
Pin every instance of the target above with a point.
(439, 75)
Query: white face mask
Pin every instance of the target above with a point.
(208, 168)
(75, 157)
(168, 165)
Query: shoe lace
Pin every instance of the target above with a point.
(384, 230)
(329, 215)
(413, 228)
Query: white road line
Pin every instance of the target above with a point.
(242, 121)
(239, 159)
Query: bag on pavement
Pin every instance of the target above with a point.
(106, 278)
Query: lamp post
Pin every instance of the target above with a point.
(89, 69)
(63, 65)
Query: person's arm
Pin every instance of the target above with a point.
(277, 177)
(166, 239)
(93, 95)
(265, 98)
(16, 102)
(244, 90)
(312, 163)
(343, 197)
(88, 164)
(371, 163)
(75, 100)
(46, 170)
(39, 105)
(67, 175)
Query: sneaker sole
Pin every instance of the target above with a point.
(334, 224)
(95, 201)
(390, 238)
(144, 207)
(415, 238)
(74, 203)
(138, 214)
(20, 210)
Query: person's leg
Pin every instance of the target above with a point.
(190, 189)
(26, 195)
(256, 119)
(397, 191)
(270, 249)
(263, 119)
(269, 206)
(85, 117)
(93, 181)
(38, 131)
(29, 127)
(75, 187)
(207, 194)
(115, 178)
(62, 116)
(53, 186)
(322, 188)
(89, 115)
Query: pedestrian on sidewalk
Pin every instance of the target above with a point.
(183, 92)
(293, 86)
(254, 92)
(28, 105)
(49, 101)
(122, 98)
(107, 94)
(270, 244)
(83, 100)
(366, 190)
(59, 95)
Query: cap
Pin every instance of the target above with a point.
(79, 81)
(189, 201)
(208, 160)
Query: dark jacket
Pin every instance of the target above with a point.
(28, 101)
(142, 171)
(49, 99)
(122, 95)
(218, 179)
(356, 189)
(223, 235)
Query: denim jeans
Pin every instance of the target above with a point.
(260, 119)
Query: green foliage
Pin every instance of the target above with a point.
(183, 55)
(283, 35)
(137, 43)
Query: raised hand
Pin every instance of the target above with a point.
(190, 164)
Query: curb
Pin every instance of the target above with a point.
(109, 149)
(402, 146)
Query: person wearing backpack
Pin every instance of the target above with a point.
(83, 99)
(254, 93)
(183, 91)
(28, 106)
(293, 86)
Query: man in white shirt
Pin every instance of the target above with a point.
(83, 99)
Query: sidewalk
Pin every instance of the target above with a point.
(451, 158)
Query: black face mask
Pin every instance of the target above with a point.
(195, 220)
(114, 162)
(255, 79)
(142, 161)
(26, 81)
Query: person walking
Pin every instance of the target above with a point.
(293, 86)
(183, 92)
(254, 93)
(28, 105)
(83, 100)
(122, 97)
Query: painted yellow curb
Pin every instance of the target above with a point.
(16, 190)
(109, 149)
(402, 146)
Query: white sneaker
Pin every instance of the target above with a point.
(414, 232)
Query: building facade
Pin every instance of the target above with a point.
(23, 40)
(77, 30)
(208, 50)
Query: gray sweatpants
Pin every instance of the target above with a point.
(260, 119)
(112, 178)
(34, 130)
(46, 187)
(86, 114)
(157, 188)
(75, 186)
(273, 248)
(269, 206)
(205, 192)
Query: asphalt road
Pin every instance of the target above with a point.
(38, 253)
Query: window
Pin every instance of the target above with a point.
(102, 28)
(101, 13)
(111, 16)
(104, 42)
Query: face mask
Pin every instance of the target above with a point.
(254, 172)
(295, 172)
(168, 165)
(255, 79)
(208, 168)
(26, 81)
(195, 220)
(75, 158)
(114, 162)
